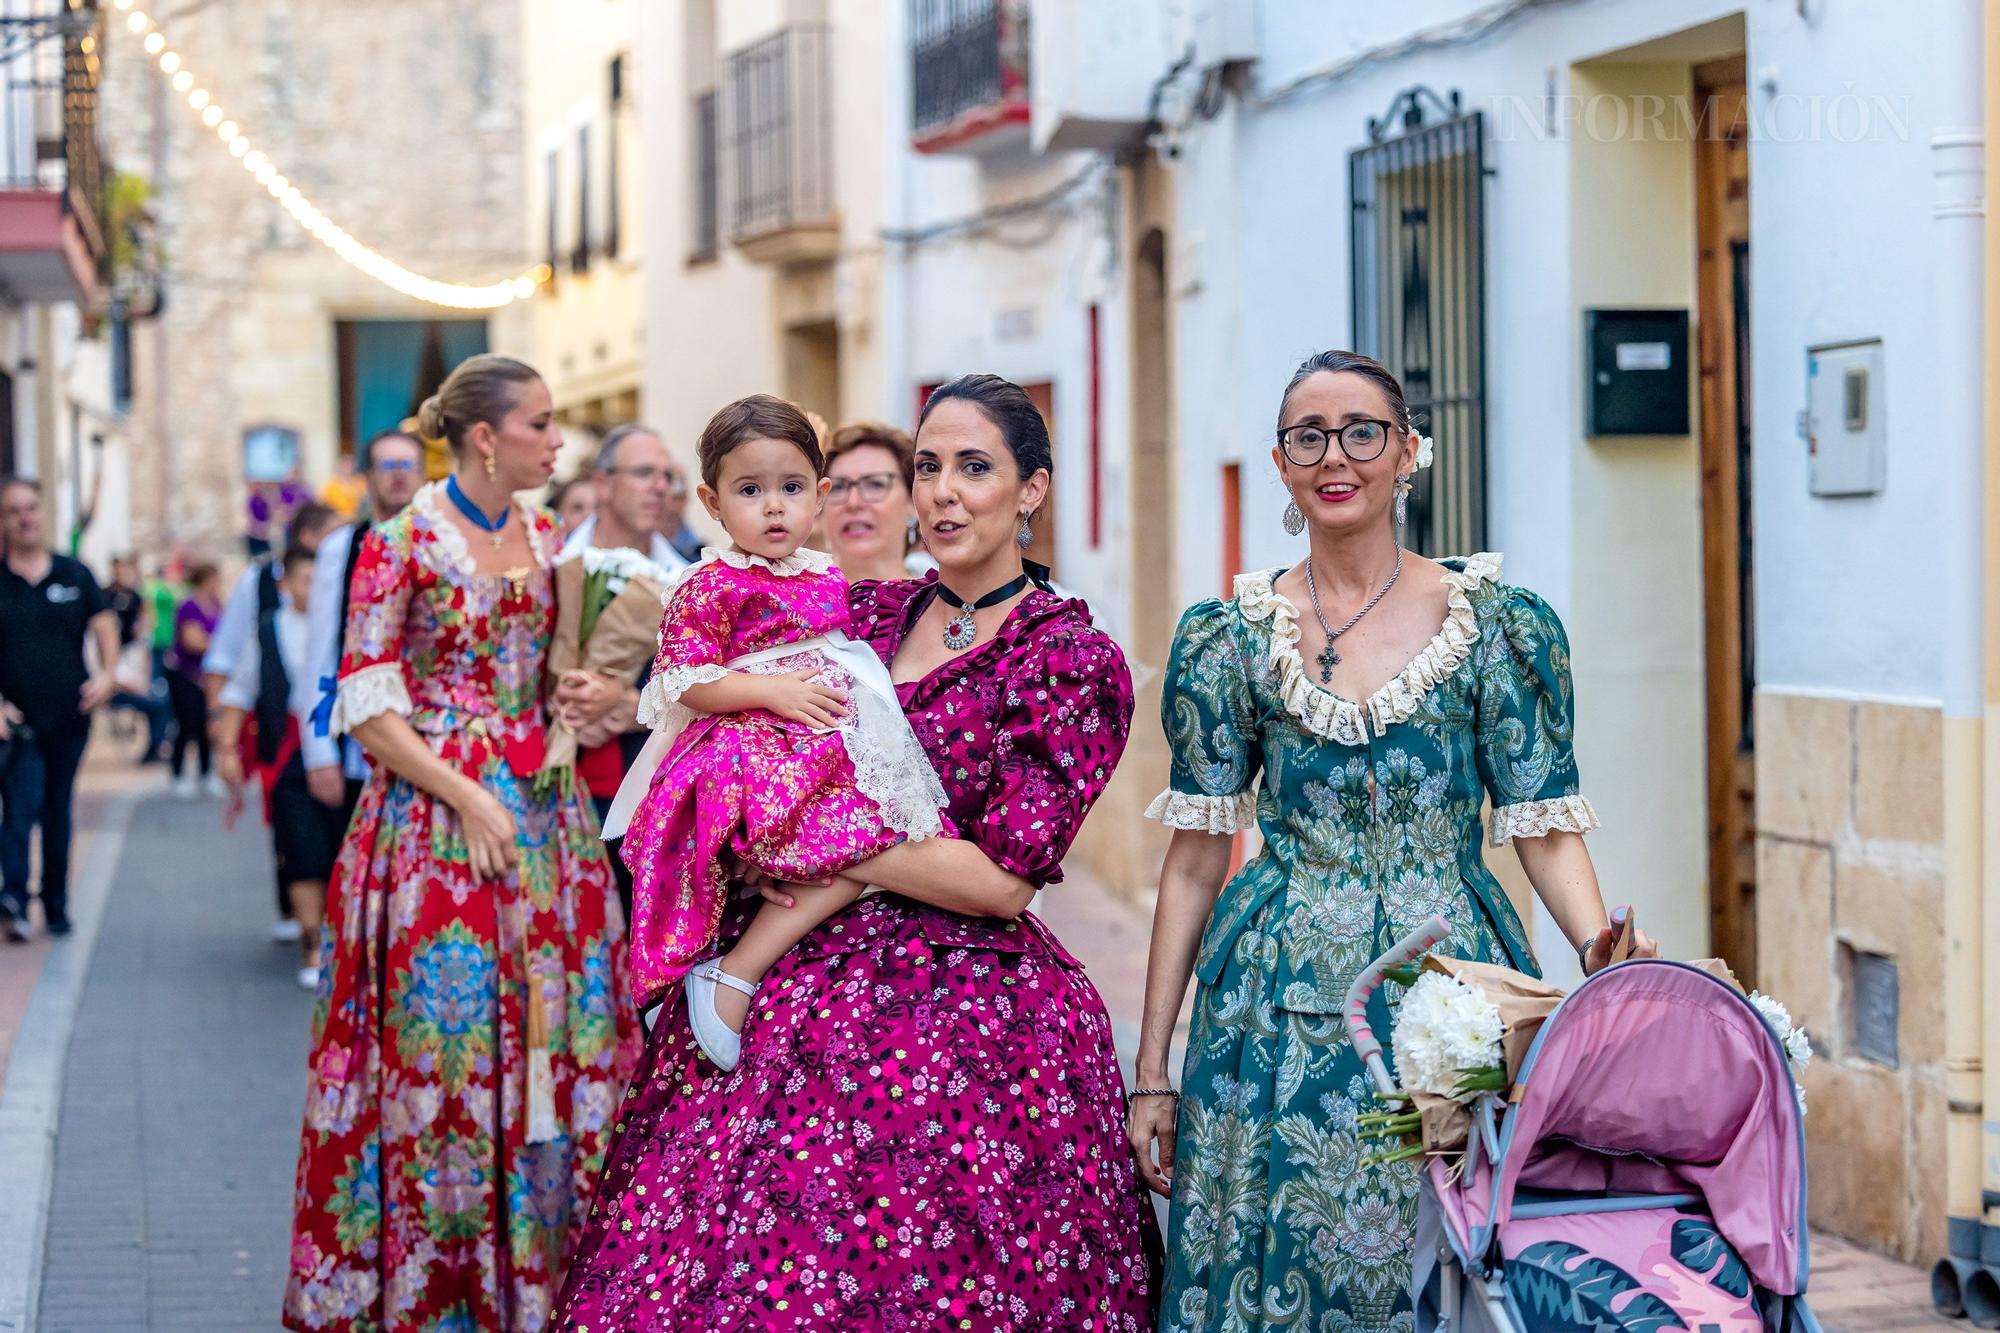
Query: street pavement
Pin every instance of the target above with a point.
(179, 1103)
(171, 1206)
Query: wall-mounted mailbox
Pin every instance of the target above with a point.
(1636, 372)
(1846, 432)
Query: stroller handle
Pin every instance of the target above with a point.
(1406, 950)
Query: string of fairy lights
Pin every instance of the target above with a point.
(458, 296)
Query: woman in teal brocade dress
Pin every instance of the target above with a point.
(1375, 753)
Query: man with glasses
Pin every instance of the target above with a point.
(641, 496)
(394, 469)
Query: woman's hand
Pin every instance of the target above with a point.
(795, 698)
(1149, 1123)
(1598, 956)
(492, 841)
(785, 893)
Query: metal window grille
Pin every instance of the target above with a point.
(613, 205)
(955, 59)
(706, 196)
(777, 116)
(1419, 298)
(552, 182)
(579, 258)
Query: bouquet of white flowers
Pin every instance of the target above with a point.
(608, 603)
(1461, 1031)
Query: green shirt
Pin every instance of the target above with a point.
(164, 599)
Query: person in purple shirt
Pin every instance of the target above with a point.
(194, 624)
(927, 1131)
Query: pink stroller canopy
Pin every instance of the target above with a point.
(1656, 1078)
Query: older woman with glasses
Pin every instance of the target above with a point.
(870, 523)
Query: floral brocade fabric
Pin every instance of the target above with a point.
(768, 790)
(1370, 812)
(452, 1137)
(926, 1131)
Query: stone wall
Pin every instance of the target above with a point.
(399, 118)
(1850, 875)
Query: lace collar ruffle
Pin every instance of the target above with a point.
(430, 502)
(805, 560)
(1327, 714)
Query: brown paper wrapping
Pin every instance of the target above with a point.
(1523, 1001)
(623, 640)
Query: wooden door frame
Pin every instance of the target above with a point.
(1722, 225)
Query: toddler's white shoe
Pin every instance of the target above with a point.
(713, 1035)
(309, 978)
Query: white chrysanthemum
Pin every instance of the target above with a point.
(1425, 454)
(1444, 1030)
(623, 564)
(1798, 1046)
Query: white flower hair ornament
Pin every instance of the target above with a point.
(1426, 455)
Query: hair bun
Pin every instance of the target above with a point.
(430, 418)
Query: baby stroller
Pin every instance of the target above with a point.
(1645, 1173)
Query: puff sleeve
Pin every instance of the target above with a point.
(1525, 745)
(1211, 727)
(694, 643)
(374, 675)
(1061, 727)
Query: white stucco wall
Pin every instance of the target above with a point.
(1610, 532)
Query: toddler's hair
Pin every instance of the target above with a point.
(758, 417)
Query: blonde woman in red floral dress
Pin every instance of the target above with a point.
(474, 1030)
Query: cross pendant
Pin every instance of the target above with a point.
(1328, 659)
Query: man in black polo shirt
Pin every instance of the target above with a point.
(48, 604)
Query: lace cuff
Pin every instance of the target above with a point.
(662, 695)
(1533, 819)
(1205, 814)
(369, 693)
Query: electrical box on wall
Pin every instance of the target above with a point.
(1636, 372)
(1846, 428)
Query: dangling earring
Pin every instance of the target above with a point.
(1295, 522)
(492, 468)
(1026, 538)
(1403, 489)
(910, 532)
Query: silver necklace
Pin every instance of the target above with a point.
(1328, 658)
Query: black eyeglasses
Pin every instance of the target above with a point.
(647, 475)
(874, 487)
(1362, 440)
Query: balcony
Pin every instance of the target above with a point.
(51, 178)
(969, 75)
(776, 133)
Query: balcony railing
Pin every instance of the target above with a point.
(777, 115)
(969, 73)
(51, 174)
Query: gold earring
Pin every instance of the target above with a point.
(492, 468)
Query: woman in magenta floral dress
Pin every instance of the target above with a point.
(925, 1128)
(474, 1032)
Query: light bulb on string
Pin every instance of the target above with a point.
(462, 296)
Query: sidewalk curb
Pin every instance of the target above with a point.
(32, 1102)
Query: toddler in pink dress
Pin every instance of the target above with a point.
(778, 742)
